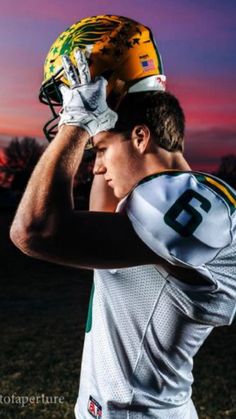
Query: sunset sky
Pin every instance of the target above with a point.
(197, 42)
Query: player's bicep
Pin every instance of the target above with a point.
(102, 197)
(93, 240)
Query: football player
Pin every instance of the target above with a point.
(164, 273)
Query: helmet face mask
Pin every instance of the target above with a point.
(50, 95)
(119, 49)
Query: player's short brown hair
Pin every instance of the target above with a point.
(160, 111)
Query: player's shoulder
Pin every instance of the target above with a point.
(199, 188)
(185, 214)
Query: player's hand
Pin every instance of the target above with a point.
(84, 103)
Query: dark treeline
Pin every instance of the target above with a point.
(227, 170)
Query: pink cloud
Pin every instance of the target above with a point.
(205, 148)
(207, 102)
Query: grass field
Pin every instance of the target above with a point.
(42, 317)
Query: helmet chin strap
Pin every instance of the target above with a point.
(157, 82)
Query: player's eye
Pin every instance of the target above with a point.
(101, 150)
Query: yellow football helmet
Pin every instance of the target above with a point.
(117, 48)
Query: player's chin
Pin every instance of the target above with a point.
(119, 192)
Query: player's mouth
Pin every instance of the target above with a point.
(108, 181)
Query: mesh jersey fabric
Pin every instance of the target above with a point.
(147, 325)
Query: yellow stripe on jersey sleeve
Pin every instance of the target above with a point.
(222, 188)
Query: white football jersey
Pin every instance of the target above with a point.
(146, 323)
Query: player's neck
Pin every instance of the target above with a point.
(165, 160)
(177, 161)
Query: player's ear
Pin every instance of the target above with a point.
(141, 138)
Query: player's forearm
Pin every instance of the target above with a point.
(48, 196)
(102, 197)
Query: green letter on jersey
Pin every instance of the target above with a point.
(183, 204)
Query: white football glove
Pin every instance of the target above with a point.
(84, 104)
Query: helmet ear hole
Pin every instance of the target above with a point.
(114, 99)
(117, 89)
(107, 74)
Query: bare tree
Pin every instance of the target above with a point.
(21, 157)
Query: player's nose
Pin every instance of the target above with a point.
(99, 167)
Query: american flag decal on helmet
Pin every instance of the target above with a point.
(147, 65)
(94, 408)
